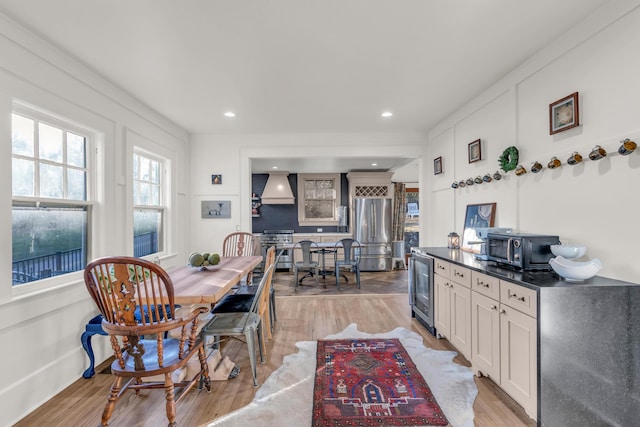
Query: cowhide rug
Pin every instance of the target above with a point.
(286, 397)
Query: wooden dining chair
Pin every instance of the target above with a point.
(249, 323)
(136, 300)
(241, 243)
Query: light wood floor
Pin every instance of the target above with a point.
(300, 318)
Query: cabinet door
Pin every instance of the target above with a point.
(442, 314)
(460, 328)
(485, 336)
(518, 355)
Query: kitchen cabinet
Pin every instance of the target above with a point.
(504, 337)
(453, 305)
(549, 348)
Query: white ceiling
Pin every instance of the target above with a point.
(301, 66)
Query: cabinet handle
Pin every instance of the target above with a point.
(515, 296)
(440, 267)
(481, 283)
(493, 307)
(459, 274)
(502, 311)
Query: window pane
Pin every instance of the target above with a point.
(22, 177)
(147, 226)
(155, 195)
(76, 150)
(76, 184)
(318, 209)
(22, 135)
(50, 142)
(51, 181)
(48, 242)
(136, 166)
(144, 168)
(144, 194)
(155, 172)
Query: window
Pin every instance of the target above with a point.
(50, 207)
(148, 208)
(319, 197)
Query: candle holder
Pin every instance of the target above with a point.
(453, 240)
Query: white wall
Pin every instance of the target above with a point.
(40, 329)
(594, 203)
(230, 155)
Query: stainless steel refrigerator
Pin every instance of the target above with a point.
(372, 228)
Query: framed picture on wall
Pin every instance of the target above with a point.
(480, 215)
(437, 165)
(216, 209)
(475, 151)
(564, 114)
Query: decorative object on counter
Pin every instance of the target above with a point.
(627, 147)
(554, 163)
(216, 179)
(255, 205)
(575, 158)
(437, 165)
(520, 170)
(573, 271)
(475, 151)
(453, 240)
(478, 180)
(564, 114)
(597, 153)
(536, 167)
(480, 215)
(487, 178)
(568, 251)
(497, 176)
(469, 182)
(454, 185)
(508, 160)
(216, 209)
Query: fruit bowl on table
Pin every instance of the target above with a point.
(573, 271)
(204, 267)
(568, 251)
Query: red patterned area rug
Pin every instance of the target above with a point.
(371, 383)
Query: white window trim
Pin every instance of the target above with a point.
(94, 140)
(302, 221)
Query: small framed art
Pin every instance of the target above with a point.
(564, 114)
(216, 209)
(475, 151)
(216, 179)
(437, 165)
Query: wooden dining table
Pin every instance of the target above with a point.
(207, 285)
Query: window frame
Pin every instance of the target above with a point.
(302, 219)
(90, 169)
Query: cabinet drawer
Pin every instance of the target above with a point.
(518, 297)
(461, 275)
(486, 285)
(441, 268)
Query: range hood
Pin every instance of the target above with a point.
(277, 191)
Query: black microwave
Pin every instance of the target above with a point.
(521, 250)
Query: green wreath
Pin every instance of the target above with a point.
(508, 160)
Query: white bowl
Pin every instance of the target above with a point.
(573, 271)
(568, 251)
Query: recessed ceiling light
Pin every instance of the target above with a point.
(274, 167)
(229, 114)
(374, 164)
(387, 114)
